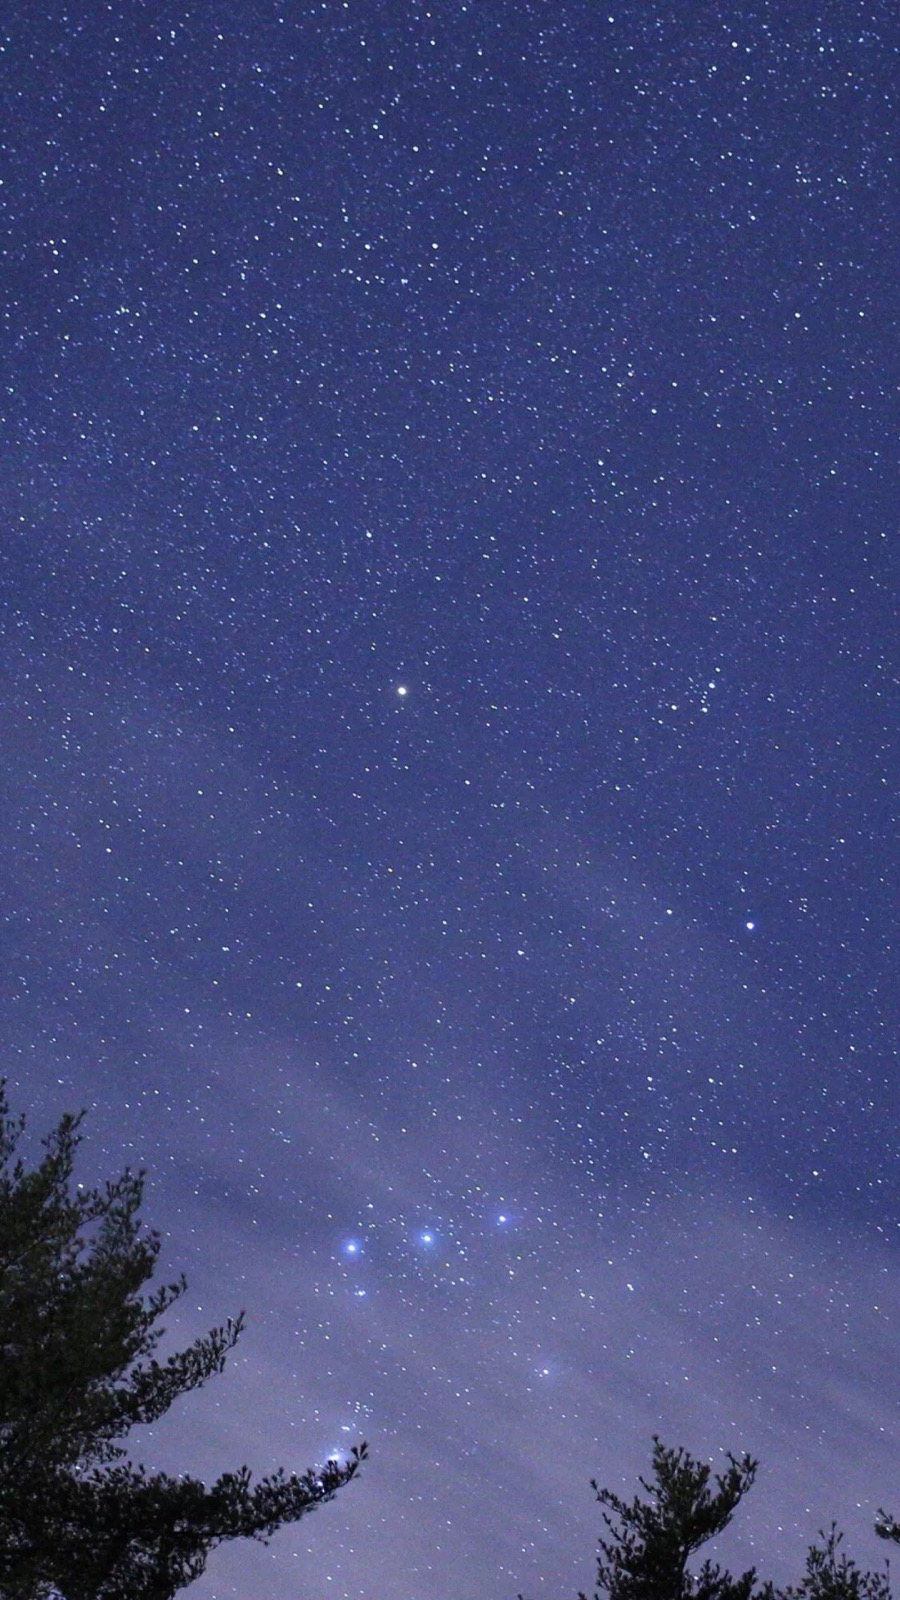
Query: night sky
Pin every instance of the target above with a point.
(448, 712)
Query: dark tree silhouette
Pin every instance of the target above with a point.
(645, 1555)
(78, 1371)
(830, 1575)
(650, 1541)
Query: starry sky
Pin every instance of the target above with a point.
(448, 711)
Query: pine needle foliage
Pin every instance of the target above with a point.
(650, 1541)
(833, 1575)
(78, 1371)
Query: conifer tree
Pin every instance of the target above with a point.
(832, 1575)
(650, 1541)
(78, 1370)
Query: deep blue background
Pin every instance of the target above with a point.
(540, 361)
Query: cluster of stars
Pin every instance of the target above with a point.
(447, 608)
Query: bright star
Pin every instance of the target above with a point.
(402, 690)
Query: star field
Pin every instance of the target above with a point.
(449, 706)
